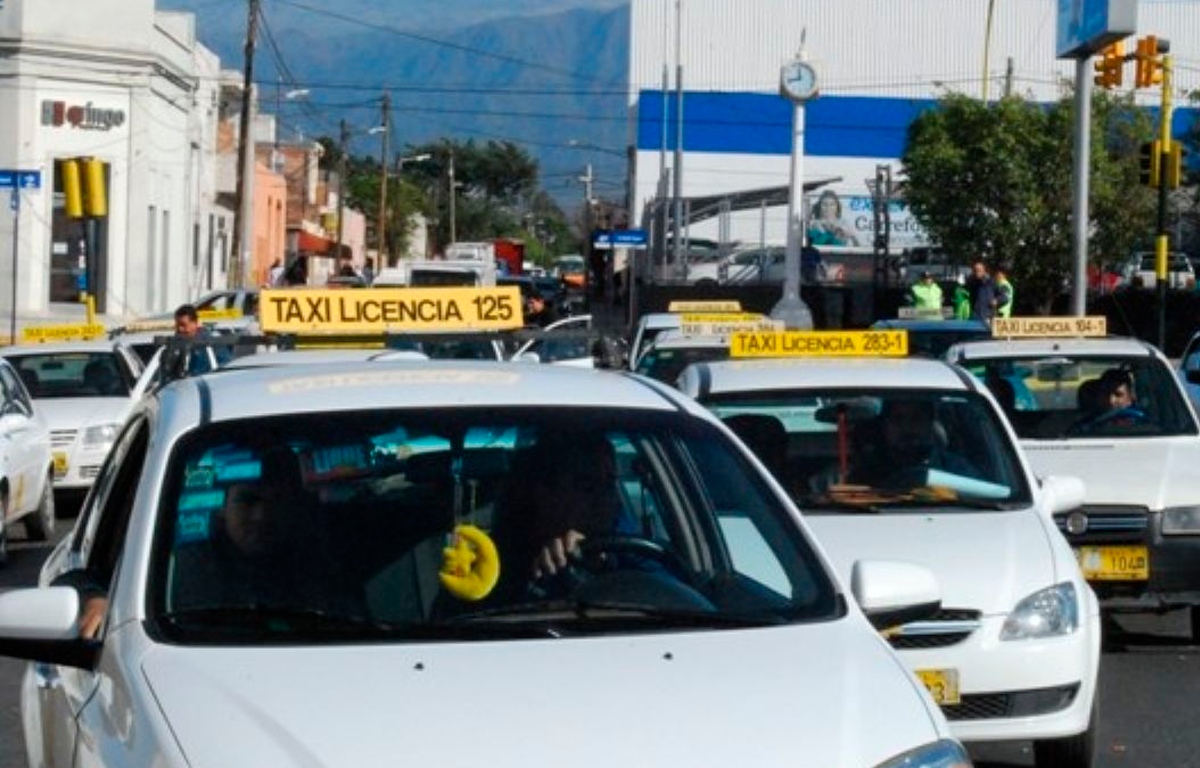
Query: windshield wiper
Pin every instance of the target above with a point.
(576, 611)
(297, 623)
(991, 505)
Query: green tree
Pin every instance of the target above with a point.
(994, 182)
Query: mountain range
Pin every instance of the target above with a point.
(530, 71)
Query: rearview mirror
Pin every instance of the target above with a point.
(1062, 493)
(892, 593)
(42, 625)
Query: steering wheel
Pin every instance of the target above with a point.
(600, 555)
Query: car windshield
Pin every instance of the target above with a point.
(851, 450)
(73, 374)
(334, 528)
(934, 343)
(666, 363)
(1073, 396)
(448, 349)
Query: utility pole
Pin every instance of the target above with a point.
(453, 194)
(987, 48)
(343, 144)
(240, 239)
(381, 227)
(1008, 78)
(677, 192)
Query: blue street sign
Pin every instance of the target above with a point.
(20, 179)
(621, 238)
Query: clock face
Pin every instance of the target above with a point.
(799, 81)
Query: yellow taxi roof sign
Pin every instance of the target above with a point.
(1049, 327)
(39, 334)
(705, 306)
(214, 315)
(717, 324)
(390, 310)
(925, 313)
(819, 344)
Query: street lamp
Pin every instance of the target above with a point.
(798, 83)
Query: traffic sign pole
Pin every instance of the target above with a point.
(16, 208)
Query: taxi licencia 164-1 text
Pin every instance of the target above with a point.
(1111, 411)
(592, 546)
(912, 460)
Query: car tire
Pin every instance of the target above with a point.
(40, 525)
(1078, 751)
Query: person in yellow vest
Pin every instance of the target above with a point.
(926, 294)
(1005, 296)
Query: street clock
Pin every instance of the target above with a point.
(798, 81)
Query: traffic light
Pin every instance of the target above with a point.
(1148, 163)
(1148, 64)
(96, 199)
(71, 188)
(1110, 66)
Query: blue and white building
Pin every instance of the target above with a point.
(880, 63)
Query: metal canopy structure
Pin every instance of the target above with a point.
(707, 206)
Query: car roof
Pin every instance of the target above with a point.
(320, 388)
(1111, 345)
(292, 357)
(672, 339)
(826, 372)
(659, 320)
(99, 345)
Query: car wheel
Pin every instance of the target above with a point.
(1077, 751)
(40, 525)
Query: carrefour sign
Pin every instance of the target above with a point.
(56, 114)
(849, 221)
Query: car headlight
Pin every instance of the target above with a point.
(100, 436)
(1181, 520)
(1046, 613)
(941, 754)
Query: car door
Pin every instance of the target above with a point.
(20, 428)
(575, 352)
(55, 696)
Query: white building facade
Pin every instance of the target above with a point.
(880, 64)
(120, 82)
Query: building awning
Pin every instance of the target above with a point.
(308, 244)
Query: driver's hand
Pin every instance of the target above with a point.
(554, 556)
(91, 617)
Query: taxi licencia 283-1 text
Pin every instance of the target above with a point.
(911, 459)
(1111, 411)
(591, 547)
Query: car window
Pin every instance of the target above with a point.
(251, 304)
(14, 391)
(1065, 396)
(74, 374)
(100, 533)
(666, 363)
(332, 528)
(881, 449)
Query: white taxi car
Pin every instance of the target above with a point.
(911, 460)
(391, 530)
(26, 470)
(1112, 412)
(84, 390)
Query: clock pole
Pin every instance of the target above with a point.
(791, 309)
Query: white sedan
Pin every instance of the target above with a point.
(357, 566)
(912, 460)
(84, 391)
(26, 470)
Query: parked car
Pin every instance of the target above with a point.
(1142, 268)
(26, 465)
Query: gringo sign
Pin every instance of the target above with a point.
(383, 310)
(820, 344)
(55, 114)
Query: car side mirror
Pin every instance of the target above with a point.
(1062, 493)
(42, 625)
(892, 593)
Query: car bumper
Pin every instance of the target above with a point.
(1016, 690)
(1174, 560)
(77, 467)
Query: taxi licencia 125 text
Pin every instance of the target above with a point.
(443, 309)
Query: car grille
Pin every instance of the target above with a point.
(947, 627)
(89, 472)
(1102, 519)
(62, 438)
(989, 706)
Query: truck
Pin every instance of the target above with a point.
(506, 252)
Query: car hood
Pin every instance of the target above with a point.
(829, 694)
(78, 412)
(1146, 472)
(984, 561)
